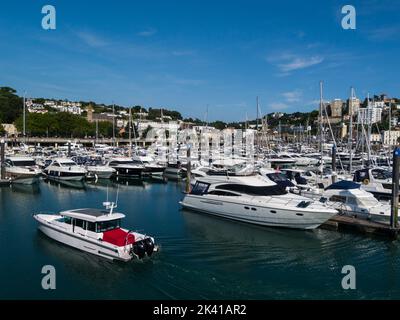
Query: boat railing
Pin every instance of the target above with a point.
(282, 201)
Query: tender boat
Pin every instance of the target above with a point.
(97, 231)
(22, 170)
(64, 169)
(256, 200)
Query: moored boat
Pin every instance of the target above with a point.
(97, 231)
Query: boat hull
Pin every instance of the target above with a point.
(80, 243)
(258, 215)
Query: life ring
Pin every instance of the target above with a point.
(366, 181)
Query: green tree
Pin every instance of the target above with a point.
(10, 104)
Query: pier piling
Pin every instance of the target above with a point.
(2, 152)
(188, 170)
(333, 163)
(69, 149)
(395, 188)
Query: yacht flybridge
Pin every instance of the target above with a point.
(97, 231)
(256, 200)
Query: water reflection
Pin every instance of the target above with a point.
(242, 242)
(26, 188)
(68, 184)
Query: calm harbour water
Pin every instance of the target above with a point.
(201, 257)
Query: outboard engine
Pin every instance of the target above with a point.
(149, 246)
(139, 249)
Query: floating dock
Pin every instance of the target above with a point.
(348, 223)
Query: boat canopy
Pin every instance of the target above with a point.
(92, 215)
(343, 185)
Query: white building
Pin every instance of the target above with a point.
(375, 138)
(390, 137)
(369, 115)
(171, 125)
(378, 104)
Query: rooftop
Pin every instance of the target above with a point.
(93, 215)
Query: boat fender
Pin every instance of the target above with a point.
(366, 181)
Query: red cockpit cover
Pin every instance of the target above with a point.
(118, 237)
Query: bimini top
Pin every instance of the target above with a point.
(344, 185)
(92, 215)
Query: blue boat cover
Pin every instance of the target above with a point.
(344, 185)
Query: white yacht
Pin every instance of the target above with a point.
(96, 231)
(378, 181)
(21, 169)
(95, 168)
(125, 167)
(64, 169)
(256, 200)
(350, 199)
(151, 167)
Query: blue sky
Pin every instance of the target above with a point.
(185, 55)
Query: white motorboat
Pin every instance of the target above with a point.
(125, 167)
(350, 199)
(97, 231)
(173, 169)
(96, 169)
(22, 170)
(256, 200)
(378, 181)
(151, 167)
(64, 169)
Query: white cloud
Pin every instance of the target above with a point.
(293, 96)
(147, 33)
(300, 63)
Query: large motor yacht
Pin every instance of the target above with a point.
(256, 200)
(64, 169)
(21, 169)
(96, 231)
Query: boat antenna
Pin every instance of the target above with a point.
(116, 199)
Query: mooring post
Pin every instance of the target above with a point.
(188, 169)
(69, 149)
(334, 163)
(3, 167)
(395, 188)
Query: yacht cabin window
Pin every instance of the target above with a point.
(223, 193)
(108, 225)
(273, 190)
(23, 163)
(337, 198)
(381, 174)
(200, 188)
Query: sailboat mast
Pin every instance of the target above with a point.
(320, 119)
(130, 133)
(351, 129)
